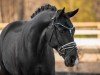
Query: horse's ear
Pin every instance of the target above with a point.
(61, 12)
(72, 13)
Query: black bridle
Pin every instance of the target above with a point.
(63, 48)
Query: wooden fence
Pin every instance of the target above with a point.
(2, 25)
(86, 28)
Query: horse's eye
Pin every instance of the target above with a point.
(61, 30)
(64, 31)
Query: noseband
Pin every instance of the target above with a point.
(70, 45)
(63, 48)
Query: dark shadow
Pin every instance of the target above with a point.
(72, 73)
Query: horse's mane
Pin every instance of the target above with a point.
(44, 7)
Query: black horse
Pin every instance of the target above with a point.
(26, 46)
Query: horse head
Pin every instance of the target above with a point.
(60, 34)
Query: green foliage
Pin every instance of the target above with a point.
(86, 9)
(11, 10)
(86, 12)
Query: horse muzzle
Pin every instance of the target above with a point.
(71, 61)
(69, 53)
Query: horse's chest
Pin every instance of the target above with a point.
(36, 68)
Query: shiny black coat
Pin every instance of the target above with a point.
(24, 49)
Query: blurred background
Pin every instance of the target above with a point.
(87, 35)
(11, 10)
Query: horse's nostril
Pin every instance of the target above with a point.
(73, 58)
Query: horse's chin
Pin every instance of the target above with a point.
(71, 64)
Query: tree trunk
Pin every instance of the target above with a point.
(2, 18)
(20, 9)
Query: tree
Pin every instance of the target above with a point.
(20, 9)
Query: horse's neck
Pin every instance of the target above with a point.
(41, 21)
(43, 17)
(42, 42)
(35, 31)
